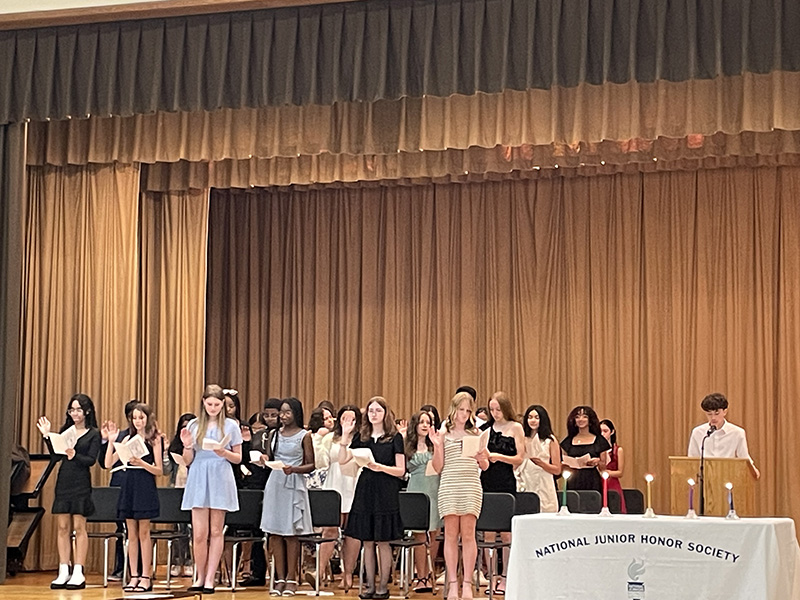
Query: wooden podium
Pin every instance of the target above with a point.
(718, 472)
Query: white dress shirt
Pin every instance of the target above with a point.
(729, 441)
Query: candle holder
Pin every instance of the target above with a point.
(605, 512)
(732, 516)
(564, 508)
(690, 513)
(649, 513)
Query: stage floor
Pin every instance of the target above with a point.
(36, 586)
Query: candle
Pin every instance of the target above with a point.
(565, 475)
(605, 489)
(691, 494)
(649, 479)
(729, 487)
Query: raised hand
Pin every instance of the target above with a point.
(112, 431)
(43, 424)
(186, 438)
(247, 435)
(402, 427)
(436, 437)
(348, 425)
(104, 431)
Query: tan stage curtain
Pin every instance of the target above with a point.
(587, 113)
(80, 303)
(113, 305)
(638, 294)
(174, 242)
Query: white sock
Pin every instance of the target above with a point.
(63, 575)
(77, 575)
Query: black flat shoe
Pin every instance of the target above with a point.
(253, 582)
(208, 590)
(195, 588)
(76, 586)
(381, 595)
(58, 586)
(366, 595)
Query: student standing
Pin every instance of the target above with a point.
(542, 458)
(210, 487)
(73, 494)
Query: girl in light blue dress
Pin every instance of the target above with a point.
(210, 489)
(286, 511)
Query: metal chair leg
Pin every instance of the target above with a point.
(169, 564)
(316, 560)
(105, 563)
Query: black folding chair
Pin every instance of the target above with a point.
(326, 511)
(247, 518)
(415, 513)
(614, 502)
(105, 501)
(170, 512)
(634, 501)
(591, 501)
(527, 503)
(573, 501)
(496, 513)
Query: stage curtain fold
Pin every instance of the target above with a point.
(79, 304)
(373, 49)
(586, 113)
(474, 164)
(174, 242)
(635, 293)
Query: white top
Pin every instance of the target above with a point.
(729, 441)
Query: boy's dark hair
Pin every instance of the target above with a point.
(272, 403)
(714, 401)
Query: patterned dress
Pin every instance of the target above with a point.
(460, 491)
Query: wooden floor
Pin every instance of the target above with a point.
(36, 586)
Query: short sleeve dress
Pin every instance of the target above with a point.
(375, 514)
(589, 478)
(460, 491)
(138, 496)
(210, 483)
(286, 509)
(73, 494)
(418, 481)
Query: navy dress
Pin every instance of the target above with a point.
(138, 496)
(375, 514)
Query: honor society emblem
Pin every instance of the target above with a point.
(635, 587)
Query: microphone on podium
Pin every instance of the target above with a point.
(711, 430)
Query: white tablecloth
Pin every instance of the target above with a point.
(667, 558)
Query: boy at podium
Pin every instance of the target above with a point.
(722, 439)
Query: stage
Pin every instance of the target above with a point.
(36, 586)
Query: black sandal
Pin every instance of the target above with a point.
(130, 587)
(140, 588)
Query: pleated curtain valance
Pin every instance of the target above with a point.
(375, 49)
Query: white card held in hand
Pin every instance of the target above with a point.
(363, 456)
(275, 465)
(472, 444)
(576, 463)
(130, 448)
(62, 441)
(256, 456)
(178, 458)
(209, 444)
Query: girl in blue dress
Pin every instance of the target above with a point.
(210, 489)
(138, 496)
(286, 511)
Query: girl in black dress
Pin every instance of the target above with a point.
(506, 448)
(375, 515)
(73, 497)
(584, 438)
(138, 496)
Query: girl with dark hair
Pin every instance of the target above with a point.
(73, 494)
(585, 443)
(342, 476)
(138, 496)
(434, 413)
(320, 424)
(542, 458)
(419, 452)
(615, 461)
(375, 515)
(181, 556)
(233, 410)
(286, 511)
(210, 486)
